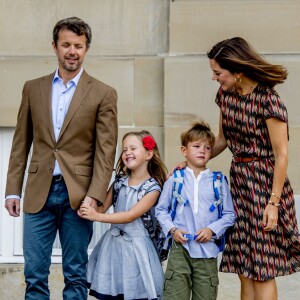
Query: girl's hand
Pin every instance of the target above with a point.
(87, 212)
(204, 235)
(178, 166)
(270, 217)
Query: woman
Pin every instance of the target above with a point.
(264, 242)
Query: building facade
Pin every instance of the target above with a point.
(154, 53)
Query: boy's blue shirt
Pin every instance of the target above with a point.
(196, 214)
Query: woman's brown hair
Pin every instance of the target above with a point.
(237, 56)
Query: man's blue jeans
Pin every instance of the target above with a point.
(39, 234)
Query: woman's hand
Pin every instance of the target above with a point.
(270, 217)
(178, 166)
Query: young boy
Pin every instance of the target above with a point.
(192, 266)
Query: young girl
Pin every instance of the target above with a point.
(124, 264)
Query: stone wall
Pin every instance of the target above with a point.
(153, 53)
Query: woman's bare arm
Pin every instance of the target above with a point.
(220, 142)
(279, 140)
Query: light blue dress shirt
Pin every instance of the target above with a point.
(60, 101)
(196, 214)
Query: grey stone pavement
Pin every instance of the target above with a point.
(288, 287)
(12, 284)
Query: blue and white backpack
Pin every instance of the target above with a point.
(177, 198)
(161, 242)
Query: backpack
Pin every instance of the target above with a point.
(217, 185)
(177, 198)
(161, 242)
(149, 220)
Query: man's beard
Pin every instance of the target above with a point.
(71, 67)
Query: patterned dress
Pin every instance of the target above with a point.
(252, 252)
(124, 264)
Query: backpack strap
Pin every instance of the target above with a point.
(217, 185)
(116, 187)
(145, 187)
(176, 194)
(148, 217)
(149, 220)
(165, 242)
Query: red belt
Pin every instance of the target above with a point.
(240, 159)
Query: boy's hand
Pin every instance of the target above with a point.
(204, 235)
(87, 212)
(178, 237)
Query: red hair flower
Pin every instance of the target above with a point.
(149, 142)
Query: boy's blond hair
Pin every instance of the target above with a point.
(199, 131)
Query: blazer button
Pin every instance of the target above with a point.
(55, 150)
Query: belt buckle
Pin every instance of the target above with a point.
(237, 159)
(58, 178)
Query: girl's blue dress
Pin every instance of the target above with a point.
(124, 264)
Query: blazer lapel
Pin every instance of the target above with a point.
(80, 93)
(46, 90)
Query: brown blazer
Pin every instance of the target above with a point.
(85, 149)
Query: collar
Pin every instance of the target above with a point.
(126, 183)
(74, 80)
(206, 171)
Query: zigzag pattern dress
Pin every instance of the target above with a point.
(250, 251)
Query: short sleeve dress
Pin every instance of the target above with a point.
(124, 264)
(250, 251)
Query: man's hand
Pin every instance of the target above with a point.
(90, 201)
(13, 206)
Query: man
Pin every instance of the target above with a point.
(70, 120)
